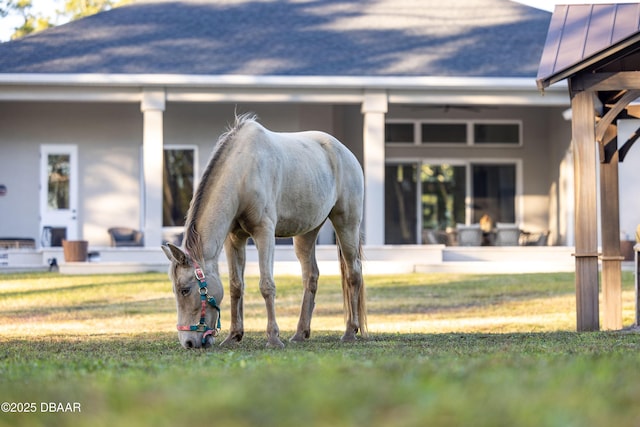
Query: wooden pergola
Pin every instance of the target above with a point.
(596, 48)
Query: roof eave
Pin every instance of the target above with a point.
(267, 81)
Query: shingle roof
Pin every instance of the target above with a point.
(580, 35)
(483, 38)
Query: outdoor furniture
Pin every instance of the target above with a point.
(534, 239)
(75, 250)
(469, 235)
(17, 243)
(435, 237)
(123, 236)
(53, 236)
(507, 234)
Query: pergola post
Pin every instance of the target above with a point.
(610, 226)
(586, 255)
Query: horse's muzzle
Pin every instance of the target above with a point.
(197, 340)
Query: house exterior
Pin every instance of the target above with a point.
(109, 120)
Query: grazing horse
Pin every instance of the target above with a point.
(263, 184)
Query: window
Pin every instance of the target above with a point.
(179, 184)
(424, 199)
(58, 170)
(496, 133)
(399, 133)
(444, 133)
(469, 132)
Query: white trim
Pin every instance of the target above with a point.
(182, 80)
(313, 89)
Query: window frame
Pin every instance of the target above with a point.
(470, 130)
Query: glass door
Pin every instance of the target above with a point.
(442, 199)
(58, 193)
(494, 192)
(400, 189)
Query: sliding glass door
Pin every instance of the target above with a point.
(423, 200)
(401, 216)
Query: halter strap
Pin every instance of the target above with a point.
(205, 299)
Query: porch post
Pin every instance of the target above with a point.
(586, 256)
(610, 225)
(152, 107)
(374, 108)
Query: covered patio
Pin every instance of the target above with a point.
(596, 48)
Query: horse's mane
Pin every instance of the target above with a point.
(192, 240)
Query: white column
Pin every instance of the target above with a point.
(374, 108)
(152, 107)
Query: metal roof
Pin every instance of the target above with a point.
(585, 36)
(376, 38)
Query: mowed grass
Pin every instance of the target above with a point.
(444, 350)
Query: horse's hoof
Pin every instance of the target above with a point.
(275, 343)
(349, 338)
(300, 336)
(231, 340)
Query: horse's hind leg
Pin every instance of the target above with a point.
(353, 289)
(235, 250)
(305, 248)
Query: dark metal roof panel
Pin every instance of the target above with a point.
(578, 34)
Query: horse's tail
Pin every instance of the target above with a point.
(347, 292)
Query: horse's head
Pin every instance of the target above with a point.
(196, 300)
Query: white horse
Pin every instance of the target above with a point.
(265, 184)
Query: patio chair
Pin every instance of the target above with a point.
(507, 235)
(469, 235)
(124, 236)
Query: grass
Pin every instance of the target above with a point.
(451, 350)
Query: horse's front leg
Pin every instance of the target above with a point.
(304, 247)
(265, 243)
(235, 249)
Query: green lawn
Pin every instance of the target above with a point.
(445, 350)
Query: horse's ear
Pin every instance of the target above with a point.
(174, 253)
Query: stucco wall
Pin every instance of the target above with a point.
(108, 137)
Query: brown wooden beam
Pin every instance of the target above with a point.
(595, 82)
(610, 226)
(586, 256)
(615, 111)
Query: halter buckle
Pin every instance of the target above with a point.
(199, 274)
(201, 327)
